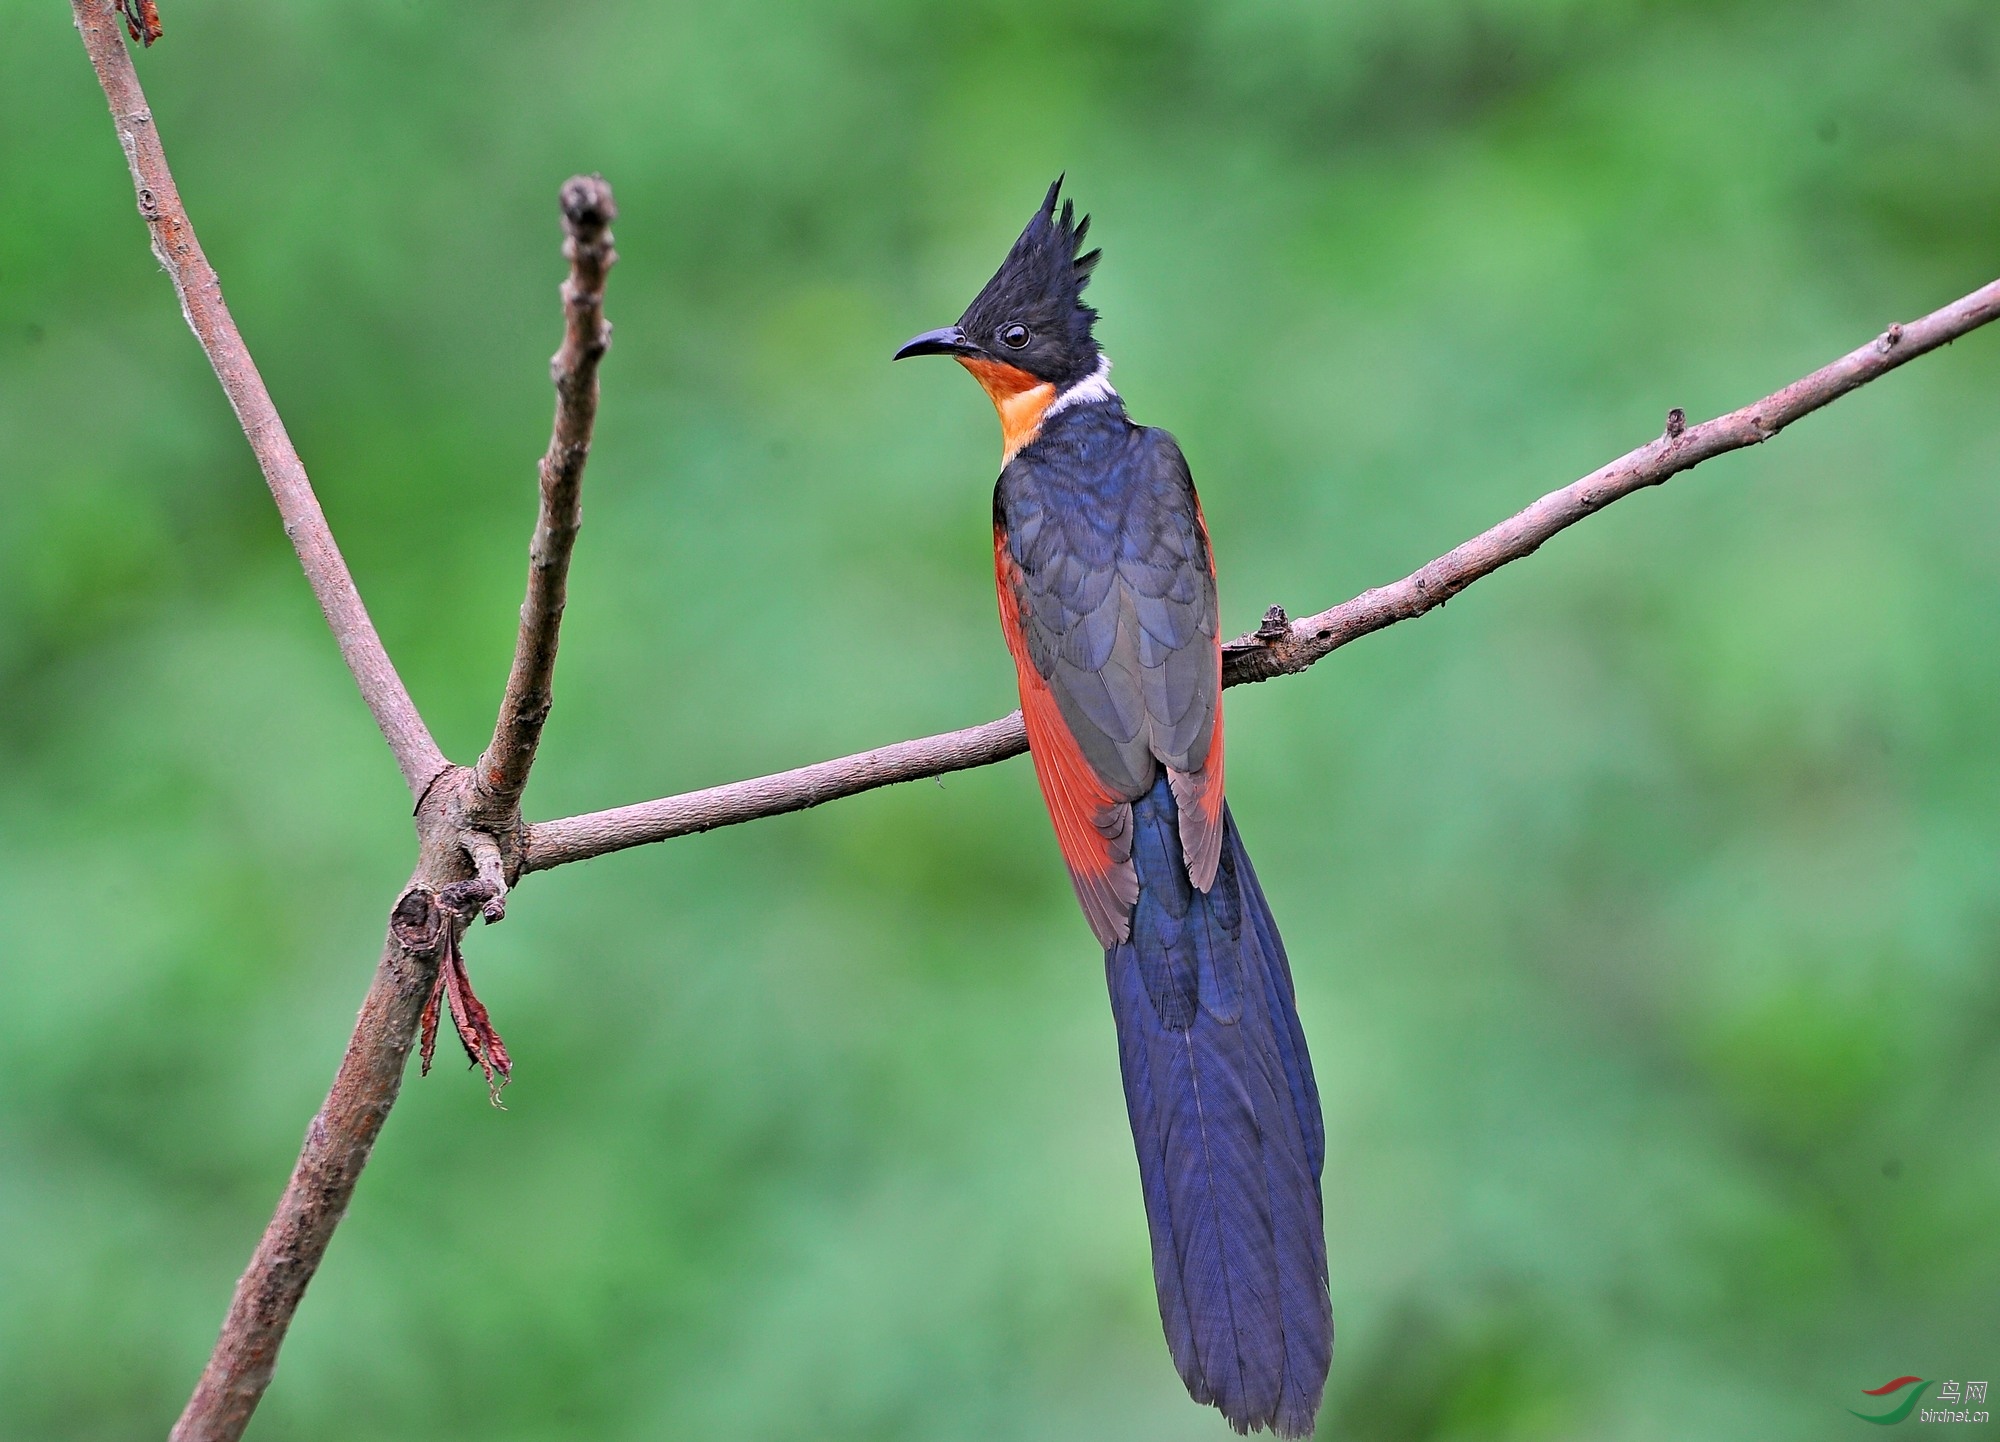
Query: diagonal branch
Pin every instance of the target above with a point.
(200, 294)
(338, 1141)
(1281, 647)
(578, 838)
(588, 211)
(1680, 448)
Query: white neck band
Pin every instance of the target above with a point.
(1094, 387)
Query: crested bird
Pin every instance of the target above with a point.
(1108, 605)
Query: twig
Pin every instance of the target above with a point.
(588, 211)
(200, 294)
(1280, 648)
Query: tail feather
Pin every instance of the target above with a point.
(1225, 1120)
(1301, 1234)
(1291, 1036)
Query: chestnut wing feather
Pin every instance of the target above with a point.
(1107, 596)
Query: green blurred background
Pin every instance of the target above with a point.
(1645, 905)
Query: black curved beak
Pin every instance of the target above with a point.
(949, 341)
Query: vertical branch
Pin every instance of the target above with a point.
(200, 294)
(588, 211)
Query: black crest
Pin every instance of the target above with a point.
(1040, 287)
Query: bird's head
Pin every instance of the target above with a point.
(1027, 335)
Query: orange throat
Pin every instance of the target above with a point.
(1020, 399)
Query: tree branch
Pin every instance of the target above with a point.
(468, 829)
(1280, 647)
(468, 824)
(441, 899)
(338, 1140)
(578, 838)
(200, 294)
(588, 211)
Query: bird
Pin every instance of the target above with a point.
(1107, 595)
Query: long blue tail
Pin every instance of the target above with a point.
(1226, 1121)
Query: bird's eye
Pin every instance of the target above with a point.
(1014, 336)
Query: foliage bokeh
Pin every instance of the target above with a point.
(1645, 904)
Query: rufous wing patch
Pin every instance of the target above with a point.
(1093, 824)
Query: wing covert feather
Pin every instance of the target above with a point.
(1108, 597)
